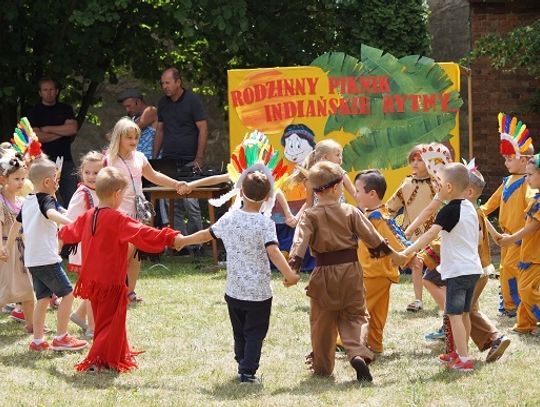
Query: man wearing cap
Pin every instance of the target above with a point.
(182, 132)
(55, 126)
(146, 118)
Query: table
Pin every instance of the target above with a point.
(155, 193)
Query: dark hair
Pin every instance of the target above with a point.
(301, 130)
(373, 181)
(46, 79)
(174, 72)
(256, 186)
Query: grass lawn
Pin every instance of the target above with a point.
(183, 326)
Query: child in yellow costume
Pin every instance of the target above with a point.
(511, 198)
(528, 313)
(379, 273)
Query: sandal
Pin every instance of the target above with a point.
(415, 306)
(134, 298)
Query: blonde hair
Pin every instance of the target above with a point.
(41, 168)
(90, 157)
(324, 173)
(321, 150)
(122, 127)
(457, 175)
(108, 181)
(476, 180)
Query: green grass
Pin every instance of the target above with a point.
(183, 327)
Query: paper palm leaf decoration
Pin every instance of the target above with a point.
(384, 139)
(515, 139)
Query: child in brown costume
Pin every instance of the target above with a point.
(331, 229)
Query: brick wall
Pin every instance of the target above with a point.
(494, 91)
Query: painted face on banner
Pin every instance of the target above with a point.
(296, 148)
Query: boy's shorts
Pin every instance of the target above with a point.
(433, 276)
(50, 279)
(459, 293)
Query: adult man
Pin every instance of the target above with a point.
(55, 126)
(146, 118)
(182, 132)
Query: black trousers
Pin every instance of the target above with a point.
(250, 320)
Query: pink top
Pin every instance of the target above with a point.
(83, 199)
(135, 163)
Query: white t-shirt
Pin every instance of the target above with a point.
(135, 163)
(459, 239)
(245, 236)
(40, 233)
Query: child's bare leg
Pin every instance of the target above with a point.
(457, 322)
(64, 311)
(467, 325)
(416, 266)
(438, 293)
(40, 311)
(28, 311)
(90, 316)
(81, 310)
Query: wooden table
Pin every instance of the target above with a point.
(170, 194)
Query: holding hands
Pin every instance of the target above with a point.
(182, 188)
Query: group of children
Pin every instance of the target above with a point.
(357, 249)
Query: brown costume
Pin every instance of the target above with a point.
(335, 287)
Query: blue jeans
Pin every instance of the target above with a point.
(50, 279)
(459, 293)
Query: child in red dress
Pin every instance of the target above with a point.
(104, 234)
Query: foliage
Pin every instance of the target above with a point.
(393, 133)
(519, 48)
(84, 43)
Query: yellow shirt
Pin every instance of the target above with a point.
(530, 244)
(389, 230)
(511, 198)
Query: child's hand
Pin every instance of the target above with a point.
(505, 240)
(398, 258)
(291, 221)
(179, 242)
(291, 280)
(3, 254)
(183, 188)
(408, 232)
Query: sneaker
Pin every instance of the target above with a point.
(448, 357)
(38, 348)
(78, 321)
(89, 334)
(461, 366)
(17, 315)
(68, 342)
(8, 308)
(249, 379)
(511, 314)
(498, 346)
(362, 370)
(437, 335)
(415, 306)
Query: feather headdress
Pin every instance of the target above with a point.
(255, 153)
(435, 156)
(25, 141)
(471, 165)
(515, 139)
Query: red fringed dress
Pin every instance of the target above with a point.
(104, 234)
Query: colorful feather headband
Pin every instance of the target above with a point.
(254, 154)
(25, 141)
(436, 156)
(515, 139)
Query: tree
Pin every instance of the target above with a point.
(519, 49)
(83, 43)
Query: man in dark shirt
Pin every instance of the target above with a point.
(55, 126)
(182, 132)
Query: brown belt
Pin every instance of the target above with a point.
(337, 257)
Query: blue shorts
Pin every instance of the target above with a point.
(459, 293)
(50, 279)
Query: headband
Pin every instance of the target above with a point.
(514, 136)
(329, 184)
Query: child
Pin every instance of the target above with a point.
(39, 216)
(528, 313)
(250, 239)
(15, 280)
(331, 229)
(379, 274)
(460, 263)
(104, 234)
(511, 198)
(122, 154)
(83, 199)
(416, 193)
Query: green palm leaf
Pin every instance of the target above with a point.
(385, 138)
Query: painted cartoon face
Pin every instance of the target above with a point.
(296, 148)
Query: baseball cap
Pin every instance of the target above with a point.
(129, 93)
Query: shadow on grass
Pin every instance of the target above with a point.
(11, 331)
(28, 359)
(86, 380)
(313, 384)
(233, 390)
